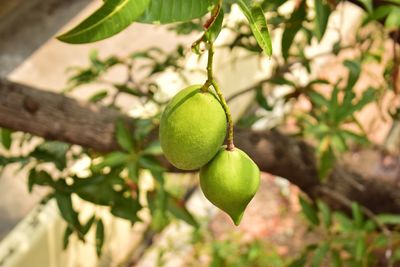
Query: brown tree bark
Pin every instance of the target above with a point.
(367, 176)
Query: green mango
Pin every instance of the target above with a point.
(229, 181)
(192, 128)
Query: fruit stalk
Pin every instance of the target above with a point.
(211, 81)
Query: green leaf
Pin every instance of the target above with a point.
(293, 25)
(309, 211)
(126, 208)
(388, 218)
(318, 99)
(262, 100)
(338, 142)
(178, 209)
(322, 13)
(361, 139)
(5, 138)
(111, 18)
(112, 160)
(300, 262)
(319, 255)
(38, 178)
(153, 149)
(345, 223)
(213, 32)
(367, 4)
(357, 215)
(360, 248)
(86, 227)
(354, 68)
(393, 19)
(258, 24)
(336, 261)
(67, 233)
(52, 151)
(379, 13)
(168, 11)
(380, 241)
(149, 162)
(97, 97)
(97, 189)
(248, 121)
(325, 213)
(326, 161)
(349, 109)
(99, 237)
(133, 170)
(124, 137)
(67, 211)
(281, 81)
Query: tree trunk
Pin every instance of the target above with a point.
(367, 176)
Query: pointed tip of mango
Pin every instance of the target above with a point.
(236, 218)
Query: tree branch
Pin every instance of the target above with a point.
(365, 176)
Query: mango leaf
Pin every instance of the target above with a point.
(86, 227)
(214, 30)
(360, 248)
(126, 208)
(67, 211)
(124, 138)
(153, 148)
(97, 97)
(99, 237)
(177, 208)
(326, 159)
(325, 213)
(281, 81)
(318, 99)
(354, 68)
(336, 261)
(149, 162)
(309, 211)
(262, 100)
(114, 159)
(346, 225)
(38, 178)
(378, 13)
(367, 4)
(133, 170)
(319, 255)
(292, 26)
(168, 11)
(52, 151)
(96, 189)
(357, 215)
(67, 233)
(349, 135)
(248, 121)
(349, 109)
(388, 218)
(111, 18)
(322, 13)
(393, 19)
(5, 138)
(258, 24)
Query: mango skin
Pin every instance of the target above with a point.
(229, 181)
(192, 128)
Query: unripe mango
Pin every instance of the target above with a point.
(192, 128)
(229, 181)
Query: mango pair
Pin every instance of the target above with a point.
(192, 131)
